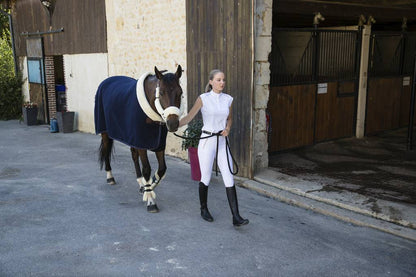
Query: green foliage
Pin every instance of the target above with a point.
(4, 25)
(10, 85)
(10, 97)
(193, 133)
(6, 59)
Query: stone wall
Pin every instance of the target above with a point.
(25, 86)
(143, 34)
(262, 46)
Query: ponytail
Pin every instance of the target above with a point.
(208, 87)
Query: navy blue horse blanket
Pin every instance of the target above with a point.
(118, 112)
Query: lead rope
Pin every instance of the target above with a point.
(227, 149)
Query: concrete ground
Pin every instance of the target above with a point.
(58, 217)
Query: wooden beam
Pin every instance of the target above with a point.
(383, 13)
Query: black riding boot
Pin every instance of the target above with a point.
(232, 200)
(203, 196)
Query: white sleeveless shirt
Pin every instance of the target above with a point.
(215, 110)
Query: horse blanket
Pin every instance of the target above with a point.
(118, 112)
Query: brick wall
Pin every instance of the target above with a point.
(50, 85)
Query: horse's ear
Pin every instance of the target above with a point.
(178, 73)
(159, 75)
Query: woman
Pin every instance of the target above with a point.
(216, 109)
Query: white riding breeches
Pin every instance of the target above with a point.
(206, 155)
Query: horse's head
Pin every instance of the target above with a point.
(168, 101)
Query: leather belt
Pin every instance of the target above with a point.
(227, 149)
(211, 134)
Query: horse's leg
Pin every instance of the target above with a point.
(106, 148)
(160, 174)
(135, 157)
(148, 194)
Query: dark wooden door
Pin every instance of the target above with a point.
(292, 113)
(219, 36)
(36, 76)
(335, 111)
(391, 64)
(383, 104)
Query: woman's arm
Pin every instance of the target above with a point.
(227, 129)
(195, 109)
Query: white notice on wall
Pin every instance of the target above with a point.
(406, 81)
(322, 88)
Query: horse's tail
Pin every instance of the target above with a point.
(105, 150)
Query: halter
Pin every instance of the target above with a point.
(169, 110)
(162, 114)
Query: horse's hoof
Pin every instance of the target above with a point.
(111, 181)
(152, 208)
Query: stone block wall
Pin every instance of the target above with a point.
(262, 46)
(142, 34)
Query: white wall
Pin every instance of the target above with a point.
(83, 74)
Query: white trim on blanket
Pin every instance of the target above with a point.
(141, 98)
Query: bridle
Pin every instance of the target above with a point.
(162, 114)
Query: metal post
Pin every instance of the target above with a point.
(412, 108)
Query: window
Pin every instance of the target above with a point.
(35, 71)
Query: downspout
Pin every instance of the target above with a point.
(253, 37)
(12, 40)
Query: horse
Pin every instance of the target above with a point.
(138, 113)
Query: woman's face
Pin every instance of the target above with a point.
(218, 82)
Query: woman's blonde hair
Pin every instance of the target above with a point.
(213, 72)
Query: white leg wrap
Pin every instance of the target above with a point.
(149, 194)
(109, 174)
(156, 180)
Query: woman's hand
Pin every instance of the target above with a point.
(225, 132)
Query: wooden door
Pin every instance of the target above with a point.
(383, 104)
(219, 36)
(292, 114)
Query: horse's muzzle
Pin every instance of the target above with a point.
(172, 123)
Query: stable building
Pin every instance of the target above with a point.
(296, 78)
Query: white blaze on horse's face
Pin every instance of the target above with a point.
(169, 95)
